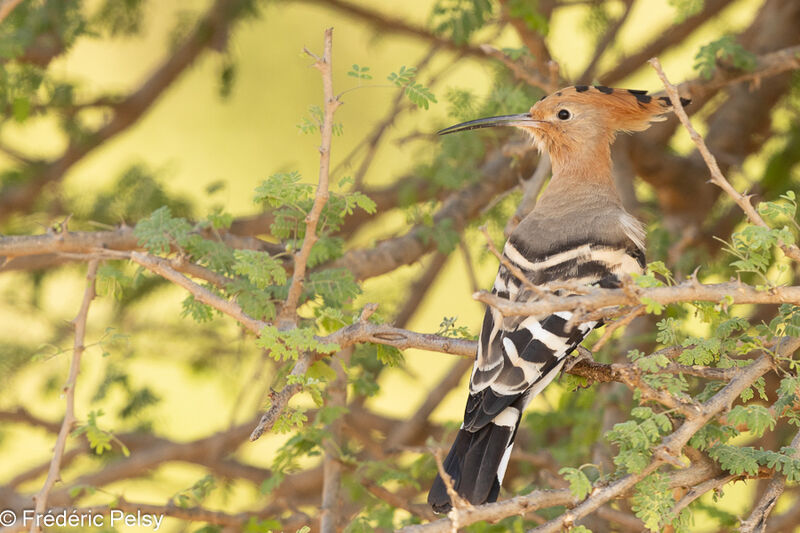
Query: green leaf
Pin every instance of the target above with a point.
(259, 267)
(726, 49)
(283, 189)
(361, 73)
(459, 19)
(529, 13)
(757, 418)
(579, 484)
(652, 501)
(199, 311)
(420, 95)
(111, 281)
(651, 306)
(734, 459)
(288, 344)
(161, 230)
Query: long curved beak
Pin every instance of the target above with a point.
(523, 119)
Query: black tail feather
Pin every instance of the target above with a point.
(472, 464)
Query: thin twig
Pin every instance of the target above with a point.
(456, 501)
(614, 326)
(717, 178)
(53, 475)
(701, 488)
(331, 103)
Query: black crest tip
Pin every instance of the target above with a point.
(667, 102)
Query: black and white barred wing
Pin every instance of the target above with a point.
(522, 355)
(517, 358)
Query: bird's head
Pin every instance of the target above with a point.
(576, 118)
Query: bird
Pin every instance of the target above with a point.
(578, 234)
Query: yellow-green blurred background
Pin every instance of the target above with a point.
(195, 139)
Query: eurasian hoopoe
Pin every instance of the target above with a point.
(578, 232)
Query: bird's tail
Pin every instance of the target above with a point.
(476, 465)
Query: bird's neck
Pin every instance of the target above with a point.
(580, 176)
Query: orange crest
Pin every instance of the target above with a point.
(619, 109)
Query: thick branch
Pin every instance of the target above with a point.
(330, 515)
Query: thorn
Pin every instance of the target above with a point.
(65, 224)
(367, 312)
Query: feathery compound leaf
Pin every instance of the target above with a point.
(288, 344)
(419, 95)
(158, 232)
(459, 19)
(199, 311)
(362, 73)
(402, 77)
(259, 267)
(652, 501)
(756, 418)
(736, 460)
(579, 484)
(283, 189)
(725, 49)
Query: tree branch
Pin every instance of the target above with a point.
(79, 323)
(287, 316)
(729, 293)
(717, 178)
(498, 174)
(330, 515)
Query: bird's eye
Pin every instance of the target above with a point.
(564, 114)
